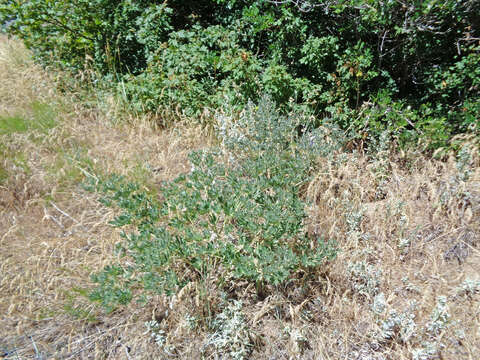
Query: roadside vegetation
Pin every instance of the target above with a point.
(233, 180)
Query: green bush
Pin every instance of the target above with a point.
(402, 122)
(196, 69)
(113, 34)
(455, 88)
(332, 58)
(237, 215)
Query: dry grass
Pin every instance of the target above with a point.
(422, 234)
(52, 233)
(407, 227)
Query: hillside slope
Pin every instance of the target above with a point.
(405, 283)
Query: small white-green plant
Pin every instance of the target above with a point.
(440, 316)
(191, 322)
(409, 286)
(404, 245)
(454, 188)
(464, 164)
(159, 335)
(297, 337)
(365, 278)
(398, 324)
(379, 304)
(469, 287)
(379, 163)
(232, 335)
(428, 351)
(354, 219)
(353, 214)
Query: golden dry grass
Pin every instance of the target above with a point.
(410, 221)
(422, 234)
(52, 233)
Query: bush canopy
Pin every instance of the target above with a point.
(411, 68)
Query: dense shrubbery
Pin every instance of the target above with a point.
(411, 68)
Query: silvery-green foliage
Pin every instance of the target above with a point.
(379, 304)
(427, 352)
(365, 278)
(469, 287)
(401, 325)
(297, 337)
(191, 321)
(260, 128)
(159, 335)
(404, 245)
(353, 218)
(409, 286)
(440, 316)
(322, 141)
(454, 188)
(464, 163)
(237, 215)
(232, 335)
(379, 155)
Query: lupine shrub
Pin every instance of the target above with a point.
(238, 214)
